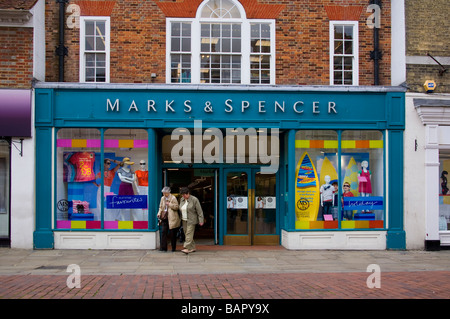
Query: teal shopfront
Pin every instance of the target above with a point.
(269, 164)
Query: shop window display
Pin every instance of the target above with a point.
(444, 193)
(80, 164)
(316, 179)
(348, 195)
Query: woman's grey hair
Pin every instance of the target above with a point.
(166, 189)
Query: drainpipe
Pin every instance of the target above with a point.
(376, 54)
(61, 50)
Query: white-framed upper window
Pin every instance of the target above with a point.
(94, 49)
(344, 53)
(220, 46)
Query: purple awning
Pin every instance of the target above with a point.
(15, 113)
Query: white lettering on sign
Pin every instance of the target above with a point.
(186, 106)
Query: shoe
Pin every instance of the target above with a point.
(186, 251)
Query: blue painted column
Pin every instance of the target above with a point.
(291, 179)
(153, 171)
(43, 234)
(396, 236)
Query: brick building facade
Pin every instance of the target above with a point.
(427, 143)
(137, 72)
(22, 62)
(427, 38)
(138, 37)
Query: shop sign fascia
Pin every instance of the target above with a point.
(160, 108)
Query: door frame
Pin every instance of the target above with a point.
(250, 238)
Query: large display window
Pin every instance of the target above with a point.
(102, 179)
(339, 179)
(444, 193)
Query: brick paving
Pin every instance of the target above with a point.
(394, 285)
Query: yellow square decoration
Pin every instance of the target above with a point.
(126, 143)
(79, 143)
(78, 224)
(302, 144)
(301, 225)
(348, 144)
(348, 224)
(330, 144)
(125, 224)
(376, 143)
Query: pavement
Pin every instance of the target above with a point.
(223, 273)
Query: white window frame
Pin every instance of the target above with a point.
(82, 67)
(355, 49)
(245, 45)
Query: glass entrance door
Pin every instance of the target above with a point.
(251, 208)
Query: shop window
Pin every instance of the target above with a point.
(220, 46)
(94, 49)
(81, 201)
(316, 181)
(339, 186)
(343, 53)
(362, 167)
(77, 162)
(444, 193)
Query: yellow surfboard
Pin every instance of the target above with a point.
(327, 169)
(307, 194)
(351, 176)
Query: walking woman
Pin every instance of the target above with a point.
(169, 219)
(191, 215)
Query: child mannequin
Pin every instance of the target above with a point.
(326, 196)
(364, 178)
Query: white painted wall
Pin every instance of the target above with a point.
(398, 44)
(414, 177)
(422, 168)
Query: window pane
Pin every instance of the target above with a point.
(77, 179)
(89, 43)
(348, 47)
(337, 63)
(338, 47)
(186, 44)
(363, 170)
(338, 32)
(348, 32)
(90, 28)
(175, 29)
(236, 43)
(100, 44)
(237, 189)
(338, 78)
(186, 30)
(317, 181)
(175, 44)
(126, 185)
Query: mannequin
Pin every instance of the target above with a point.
(364, 179)
(326, 196)
(142, 184)
(127, 179)
(142, 178)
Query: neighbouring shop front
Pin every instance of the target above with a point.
(269, 164)
(15, 125)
